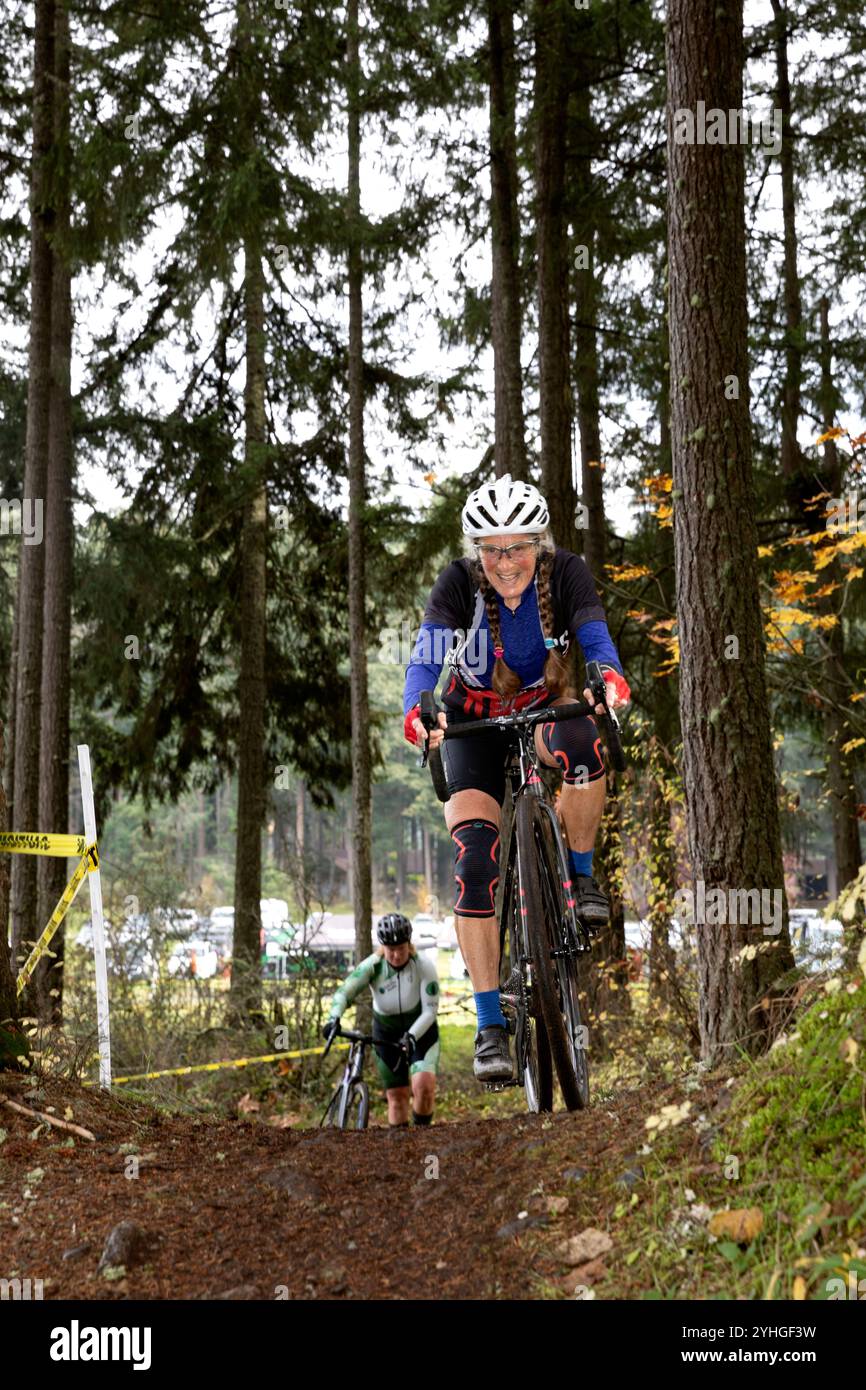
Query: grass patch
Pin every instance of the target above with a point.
(785, 1136)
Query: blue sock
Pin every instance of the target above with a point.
(581, 861)
(487, 1007)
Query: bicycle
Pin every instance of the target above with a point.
(352, 1096)
(542, 934)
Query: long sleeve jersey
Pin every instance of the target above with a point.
(411, 990)
(455, 628)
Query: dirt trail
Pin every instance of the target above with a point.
(233, 1209)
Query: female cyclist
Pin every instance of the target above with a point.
(405, 989)
(502, 617)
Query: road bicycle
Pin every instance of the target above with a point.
(349, 1106)
(542, 933)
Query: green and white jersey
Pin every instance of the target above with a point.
(407, 998)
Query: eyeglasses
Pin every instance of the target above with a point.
(520, 550)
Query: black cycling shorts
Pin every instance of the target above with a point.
(474, 764)
(392, 1065)
(478, 764)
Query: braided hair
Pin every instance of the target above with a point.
(504, 681)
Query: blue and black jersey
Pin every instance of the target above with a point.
(455, 628)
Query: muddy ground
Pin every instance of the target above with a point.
(238, 1209)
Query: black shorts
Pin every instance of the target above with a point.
(392, 1065)
(475, 764)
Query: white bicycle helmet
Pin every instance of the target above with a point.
(504, 508)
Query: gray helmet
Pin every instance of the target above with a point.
(393, 929)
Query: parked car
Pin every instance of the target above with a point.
(815, 940)
(425, 932)
(458, 966)
(195, 959)
(130, 948)
(219, 930)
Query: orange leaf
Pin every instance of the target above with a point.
(741, 1225)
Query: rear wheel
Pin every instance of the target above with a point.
(554, 967)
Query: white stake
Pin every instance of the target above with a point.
(96, 922)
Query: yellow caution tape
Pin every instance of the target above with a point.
(35, 842)
(216, 1066)
(57, 916)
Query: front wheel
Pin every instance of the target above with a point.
(552, 949)
(534, 1066)
(358, 1108)
(331, 1117)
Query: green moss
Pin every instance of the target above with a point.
(796, 1128)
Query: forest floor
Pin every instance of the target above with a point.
(618, 1201)
(240, 1209)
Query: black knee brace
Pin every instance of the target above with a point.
(476, 867)
(576, 745)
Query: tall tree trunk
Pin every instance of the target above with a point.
(361, 761)
(11, 700)
(401, 863)
(54, 735)
(840, 773)
(428, 863)
(791, 458)
(553, 365)
(32, 563)
(300, 820)
(728, 773)
(586, 371)
(608, 990)
(509, 435)
(201, 836)
(12, 1043)
(245, 990)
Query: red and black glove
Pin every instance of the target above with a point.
(619, 682)
(408, 732)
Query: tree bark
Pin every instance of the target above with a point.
(245, 989)
(509, 433)
(551, 96)
(361, 760)
(57, 620)
(791, 458)
(728, 773)
(300, 822)
(12, 1042)
(585, 337)
(32, 561)
(400, 890)
(840, 772)
(428, 862)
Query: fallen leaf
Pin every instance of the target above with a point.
(741, 1225)
(799, 1290)
(246, 1105)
